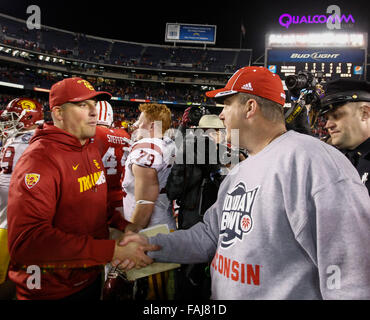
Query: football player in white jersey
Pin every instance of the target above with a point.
(17, 126)
(146, 171)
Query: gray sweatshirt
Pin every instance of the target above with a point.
(292, 222)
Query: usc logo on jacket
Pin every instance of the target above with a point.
(91, 180)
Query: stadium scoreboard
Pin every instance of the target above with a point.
(332, 62)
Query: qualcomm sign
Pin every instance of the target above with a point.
(333, 21)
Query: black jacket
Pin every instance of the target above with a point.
(194, 185)
(360, 158)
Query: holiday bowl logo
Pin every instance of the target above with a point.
(237, 214)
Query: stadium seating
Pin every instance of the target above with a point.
(88, 48)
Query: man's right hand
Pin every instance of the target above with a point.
(132, 236)
(130, 251)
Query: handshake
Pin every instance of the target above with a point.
(129, 251)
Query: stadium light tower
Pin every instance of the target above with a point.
(326, 39)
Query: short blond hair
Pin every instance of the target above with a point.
(157, 112)
(271, 110)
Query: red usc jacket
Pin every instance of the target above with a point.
(57, 215)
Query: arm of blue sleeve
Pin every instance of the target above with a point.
(195, 245)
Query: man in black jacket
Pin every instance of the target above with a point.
(346, 107)
(194, 186)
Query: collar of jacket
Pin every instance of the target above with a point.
(362, 151)
(50, 132)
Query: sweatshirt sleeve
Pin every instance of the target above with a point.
(32, 237)
(195, 245)
(340, 237)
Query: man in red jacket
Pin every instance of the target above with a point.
(57, 208)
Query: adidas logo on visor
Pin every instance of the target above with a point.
(247, 86)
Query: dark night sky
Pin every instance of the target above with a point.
(144, 21)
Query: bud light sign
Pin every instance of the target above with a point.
(311, 55)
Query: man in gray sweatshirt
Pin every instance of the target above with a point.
(292, 221)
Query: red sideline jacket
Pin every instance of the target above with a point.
(57, 215)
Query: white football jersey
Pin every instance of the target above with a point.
(158, 154)
(10, 153)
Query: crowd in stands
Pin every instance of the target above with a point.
(124, 116)
(154, 93)
(123, 89)
(88, 48)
